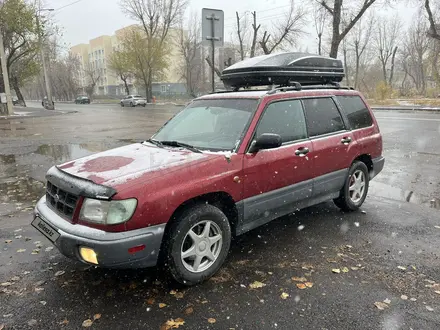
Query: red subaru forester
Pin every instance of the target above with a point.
(226, 164)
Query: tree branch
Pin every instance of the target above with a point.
(350, 25)
(217, 70)
(433, 29)
(324, 4)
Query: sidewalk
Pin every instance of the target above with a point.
(24, 112)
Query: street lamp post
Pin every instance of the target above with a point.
(50, 105)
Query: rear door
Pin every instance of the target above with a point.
(333, 144)
(277, 180)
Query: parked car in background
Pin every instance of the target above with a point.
(15, 100)
(133, 101)
(82, 100)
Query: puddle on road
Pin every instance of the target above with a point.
(64, 153)
(22, 176)
(380, 189)
(21, 190)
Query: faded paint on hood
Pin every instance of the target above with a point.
(118, 166)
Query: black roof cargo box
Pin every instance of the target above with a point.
(283, 69)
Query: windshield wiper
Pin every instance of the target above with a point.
(155, 142)
(179, 144)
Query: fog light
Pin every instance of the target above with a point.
(88, 255)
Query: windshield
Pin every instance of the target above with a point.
(210, 124)
(137, 97)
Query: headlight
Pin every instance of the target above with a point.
(107, 213)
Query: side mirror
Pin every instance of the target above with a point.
(266, 141)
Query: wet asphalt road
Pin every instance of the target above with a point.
(399, 227)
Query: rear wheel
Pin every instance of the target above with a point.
(198, 243)
(355, 189)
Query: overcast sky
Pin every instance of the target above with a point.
(88, 19)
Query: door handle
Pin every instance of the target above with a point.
(302, 151)
(346, 140)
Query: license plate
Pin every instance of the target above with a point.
(45, 229)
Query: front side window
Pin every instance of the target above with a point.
(285, 118)
(210, 124)
(322, 116)
(356, 111)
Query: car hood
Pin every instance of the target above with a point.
(118, 166)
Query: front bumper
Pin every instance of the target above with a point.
(378, 164)
(111, 248)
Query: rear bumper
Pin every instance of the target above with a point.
(111, 248)
(378, 164)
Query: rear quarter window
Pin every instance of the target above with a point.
(356, 111)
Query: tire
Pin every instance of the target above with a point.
(131, 104)
(144, 105)
(352, 200)
(179, 240)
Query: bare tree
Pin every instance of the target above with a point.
(386, 41)
(156, 17)
(190, 49)
(93, 75)
(241, 33)
(360, 39)
(355, 12)
(320, 16)
(434, 29)
(415, 53)
(286, 31)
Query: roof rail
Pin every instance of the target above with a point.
(297, 87)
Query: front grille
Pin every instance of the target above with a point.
(60, 200)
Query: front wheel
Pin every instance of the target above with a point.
(198, 243)
(131, 104)
(355, 189)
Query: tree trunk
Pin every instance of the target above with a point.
(384, 72)
(149, 86)
(320, 44)
(358, 58)
(393, 57)
(16, 87)
(336, 37)
(347, 78)
(127, 89)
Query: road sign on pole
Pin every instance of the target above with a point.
(213, 30)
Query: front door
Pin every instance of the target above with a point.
(277, 180)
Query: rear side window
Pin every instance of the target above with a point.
(356, 111)
(285, 118)
(322, 116)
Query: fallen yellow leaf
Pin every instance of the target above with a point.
(2, 326)
(8, 241)
(21, 250)
(309, 284)
(284, 295)
(179, 295)
(380, 305)
(299, 279)
(162, 305)
(438, 292)
(401, 267)
(150, 301)
(336, 270)
(256, 285)
(96, 317)
(212, 320)
(189, 310)
(345, 270)
(87, 323)
(301, 286)
(172, 324)
(172, 292)
(354, 268)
